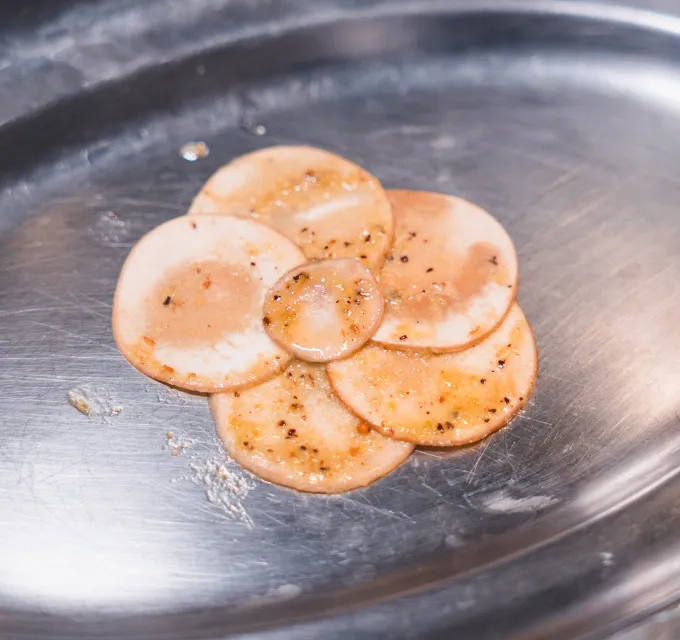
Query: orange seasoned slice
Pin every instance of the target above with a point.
(442, 399)
(327, 205)
(324, 310)
(188, 306)
(450, 277)
(292, 430)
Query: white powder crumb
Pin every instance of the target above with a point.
(504, 503)
(452, 541)
(94, 401)
(176, 444)
(225, 485)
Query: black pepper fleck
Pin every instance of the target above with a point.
(404, 258)
(166, 302)
(430, 270)
(404, 337)
(266, 321)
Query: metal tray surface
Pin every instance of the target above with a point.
(561, 118)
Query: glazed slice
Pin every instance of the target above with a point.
(450, 277)
(442, 399)
(324, 310)
(327, 205)
(293, 431)
(188, 306)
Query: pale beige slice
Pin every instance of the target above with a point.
(324, 310)
(188, 306)
(327, 205)
(450, 277)
(442, 399)
(292, 430)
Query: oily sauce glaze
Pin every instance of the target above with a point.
(324, 310)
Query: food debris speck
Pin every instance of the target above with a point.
(93, 401)
(193, 151)
(176, 445)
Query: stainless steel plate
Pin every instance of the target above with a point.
(562, 118)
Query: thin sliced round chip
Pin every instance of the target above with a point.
(450, 277)
(324, 310)
(442, 399)
(327, 205)
(188, 306)
(292, 430)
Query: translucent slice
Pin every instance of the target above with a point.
(327, 205)
(324, 310)
(293, 430)
(450, 277)
(188, 306)
(442, 399)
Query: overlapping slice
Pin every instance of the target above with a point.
(442, 399)
(293, 430)
(327, 205)
(450, 277)
(324, 310)
(188, 306)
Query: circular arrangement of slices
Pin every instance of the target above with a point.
(335, 325)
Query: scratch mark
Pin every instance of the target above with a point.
(472, 471)
(73, 335)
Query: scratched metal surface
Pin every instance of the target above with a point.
(563, 119)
